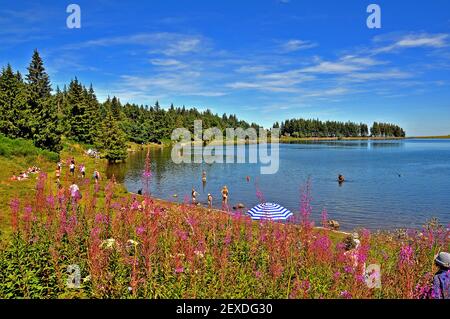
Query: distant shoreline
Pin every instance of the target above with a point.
(287, 140)
(430, 137)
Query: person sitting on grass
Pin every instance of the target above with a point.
(441, 280)
(352, 246)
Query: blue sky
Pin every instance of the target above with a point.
(264, 60)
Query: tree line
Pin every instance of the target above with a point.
(29, 110)
(316, 128)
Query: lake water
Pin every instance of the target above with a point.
(389, 184)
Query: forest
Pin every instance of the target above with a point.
(316, 128)
(29, 110)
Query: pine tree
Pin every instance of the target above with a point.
(111, 140)
(10, 91)
(79, 116)
(43, 119)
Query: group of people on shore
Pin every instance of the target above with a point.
(224, 193)
(72, 167)
(25, 175)
(74, 189)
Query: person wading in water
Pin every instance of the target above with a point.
(194, 196)
(224, 196)
(210, 199)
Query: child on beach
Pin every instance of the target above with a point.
(441, 280)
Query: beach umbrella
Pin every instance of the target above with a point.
(269, 211)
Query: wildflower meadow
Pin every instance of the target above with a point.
(107, 246)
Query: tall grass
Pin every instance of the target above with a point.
(25, 148)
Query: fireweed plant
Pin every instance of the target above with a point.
(137, 247)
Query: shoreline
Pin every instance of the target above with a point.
(289, 140)
(165, 202)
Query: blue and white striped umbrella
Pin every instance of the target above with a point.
(269, 211)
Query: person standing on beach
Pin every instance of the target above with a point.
(210, 199)
(224, 196)
(194, 196)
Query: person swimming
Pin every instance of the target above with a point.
(341, 178)
(204, 177)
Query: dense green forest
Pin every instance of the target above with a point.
(29, 110)
(317, 128)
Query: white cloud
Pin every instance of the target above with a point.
(165, 43)
(296, 45)
(415, 41)
(167, 63)
(333, 67)
(382, 75)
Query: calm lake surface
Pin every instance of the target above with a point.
(390, 184)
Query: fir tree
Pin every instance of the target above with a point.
(79, 117)
(11, 88)
(111, 140)
(43, 119)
